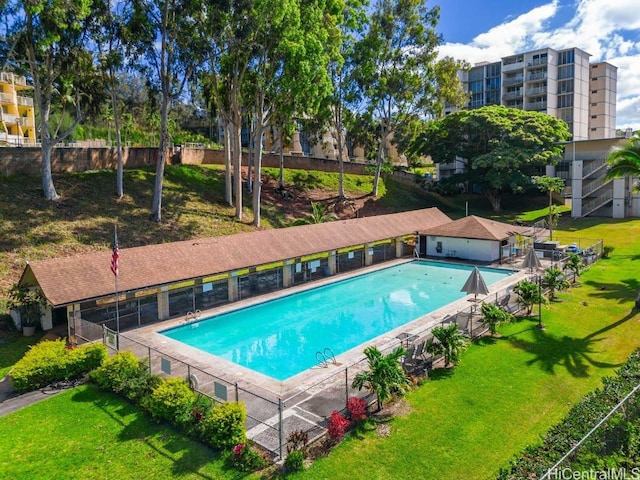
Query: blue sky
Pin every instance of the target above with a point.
(607, 29)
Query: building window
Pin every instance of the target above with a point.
(566, 57)
(594, 91)
(565, 72)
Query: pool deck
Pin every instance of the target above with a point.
(306, 399)
(233, 373)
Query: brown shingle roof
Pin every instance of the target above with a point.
(73, 279)
(477, 228)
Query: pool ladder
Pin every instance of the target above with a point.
(324, 357)
(192, 316)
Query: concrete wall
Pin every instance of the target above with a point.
(29, 160)
(216, 157)
(464, 248)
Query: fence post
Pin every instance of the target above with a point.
(237, 392)
(280, 427)
(149, 357)
(346, 385)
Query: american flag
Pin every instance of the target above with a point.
(116, 254)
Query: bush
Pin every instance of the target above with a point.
(170, 400)
(52, 361)
(298, 440)
(357, 408)
(190, 419)
(607, 250)
(246, 459)
(124, 374)
(294, 462)
(223, 426)
(337, 426)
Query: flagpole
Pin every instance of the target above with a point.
(115, 269)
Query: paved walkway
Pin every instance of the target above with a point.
(10, 400)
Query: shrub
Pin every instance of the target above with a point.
(124, 374)
(246, 459)
(52, 361)
(337, 426)
(357, 408)
(170, 399)
(223, 426)
(191, 418)
(297, 441)
(607, 250)
(294, 462)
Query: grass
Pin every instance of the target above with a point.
(87, 434)
(464, 423)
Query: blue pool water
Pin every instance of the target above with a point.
(280, 338)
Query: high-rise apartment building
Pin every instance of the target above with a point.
(561, 83)
(17, 118)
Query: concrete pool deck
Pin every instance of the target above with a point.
(309, 379)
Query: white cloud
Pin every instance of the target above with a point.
(607, 29)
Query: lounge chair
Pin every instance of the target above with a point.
(463, 319)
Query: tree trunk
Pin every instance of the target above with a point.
(47, 178)
(257, 182)
(120, 167)
(237, 166)
(494, 199)
(281, 179)
(156, 207)
(228, 192)
(379, 161)
(340, 141)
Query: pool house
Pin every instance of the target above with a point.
(171, 280)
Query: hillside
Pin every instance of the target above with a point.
(193, 207)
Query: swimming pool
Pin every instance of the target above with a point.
(280, 338)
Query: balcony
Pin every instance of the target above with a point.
(25, 101)
(537, 105)
(7, 77)
(536, 76)
(512, 80)
(536, 91)
(511, 95)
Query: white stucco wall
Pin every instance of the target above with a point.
(464, 248)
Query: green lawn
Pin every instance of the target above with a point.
(463, 424)
(87, 434)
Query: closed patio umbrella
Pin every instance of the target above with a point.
(531, 260)
(475, 284)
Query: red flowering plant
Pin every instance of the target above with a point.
(337, 425)
(246, 459)
(357, 408)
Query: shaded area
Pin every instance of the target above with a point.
(622, 292)
(573, 354)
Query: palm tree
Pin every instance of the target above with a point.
(451, 343)
(385, 375)
(554, 280)
(528, 294)
(575, 265)
(493, 316)
(319, 214)
(624, 161)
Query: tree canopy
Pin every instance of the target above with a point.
(501, 147)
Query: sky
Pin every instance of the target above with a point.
(609, 30)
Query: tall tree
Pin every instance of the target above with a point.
(50, 38)
(165, 44)
(551, 185)
(289, 67)
(110, 36)
(501, 147)
(396, 67)
(624, 161)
